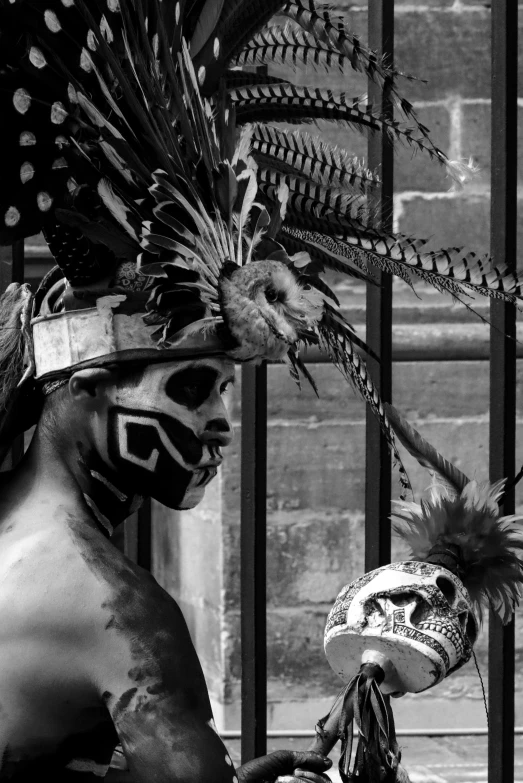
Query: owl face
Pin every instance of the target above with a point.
(267, 310)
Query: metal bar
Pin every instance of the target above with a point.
(130, 537)
(440, 342)
(253, 561)
(503, 361)
(379, 311)
(310, 733)
(144, 535)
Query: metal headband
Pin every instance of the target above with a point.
(97, 335)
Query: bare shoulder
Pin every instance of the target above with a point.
(150, 678)
(104, 624)
(140, 632)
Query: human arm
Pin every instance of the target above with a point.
(285, 766)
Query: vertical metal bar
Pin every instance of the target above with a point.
(253, 561)
(379, 311)
(130, 537)
(503, 361)
(137, 536)
(144, 543)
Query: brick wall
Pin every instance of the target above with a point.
(316, 447)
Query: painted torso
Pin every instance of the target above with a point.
(93, 652)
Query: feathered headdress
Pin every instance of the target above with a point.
(180, 218)
(460, 528)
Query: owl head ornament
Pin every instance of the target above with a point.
(404, 627)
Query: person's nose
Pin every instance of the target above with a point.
(218, 432)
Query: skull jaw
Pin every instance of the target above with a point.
(412, 666)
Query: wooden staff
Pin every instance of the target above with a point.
(327, 737)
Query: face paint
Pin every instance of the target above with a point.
(165, 433)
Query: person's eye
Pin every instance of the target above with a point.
(224, 388)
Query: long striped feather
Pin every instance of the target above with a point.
(289, 46)
(331, 31)
(324, 26)
(333, 205)
(235, 78)
(324, 163)
(440, 468)
(242, 19)
(452, 270)
(292, 103)
(336, 341)
(323, 258)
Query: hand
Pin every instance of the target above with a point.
(286, 766)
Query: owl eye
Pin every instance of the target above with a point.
(272, 295)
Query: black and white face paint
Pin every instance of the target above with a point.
(165, 433)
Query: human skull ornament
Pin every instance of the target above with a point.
(415, 619)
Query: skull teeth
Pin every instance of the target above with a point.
(444, 629)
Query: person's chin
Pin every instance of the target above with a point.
(194, 492)
(191, 498)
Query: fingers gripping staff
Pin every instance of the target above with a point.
(405, 627)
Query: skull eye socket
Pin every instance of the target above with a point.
(402, 599)
(447, 588)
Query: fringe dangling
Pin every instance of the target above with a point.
(376, 756)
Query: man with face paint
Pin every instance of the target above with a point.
(184, 243)
(93, 652)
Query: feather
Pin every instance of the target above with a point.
(440, 469)
(336, 340)
(292, 103)
(462, 526)
(116, 206)
(288, 46)
(488, 549)
(113, 96)
(205, 25)
(247, 200)
(241, 19)
(333, 254)
(236, 78)
(453, 270)
(324, 27)
(312, 158)
(297, 366)
(306, 197)
(319, 21)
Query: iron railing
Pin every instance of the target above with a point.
(379, 334)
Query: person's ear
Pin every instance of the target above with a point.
(89, 387)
